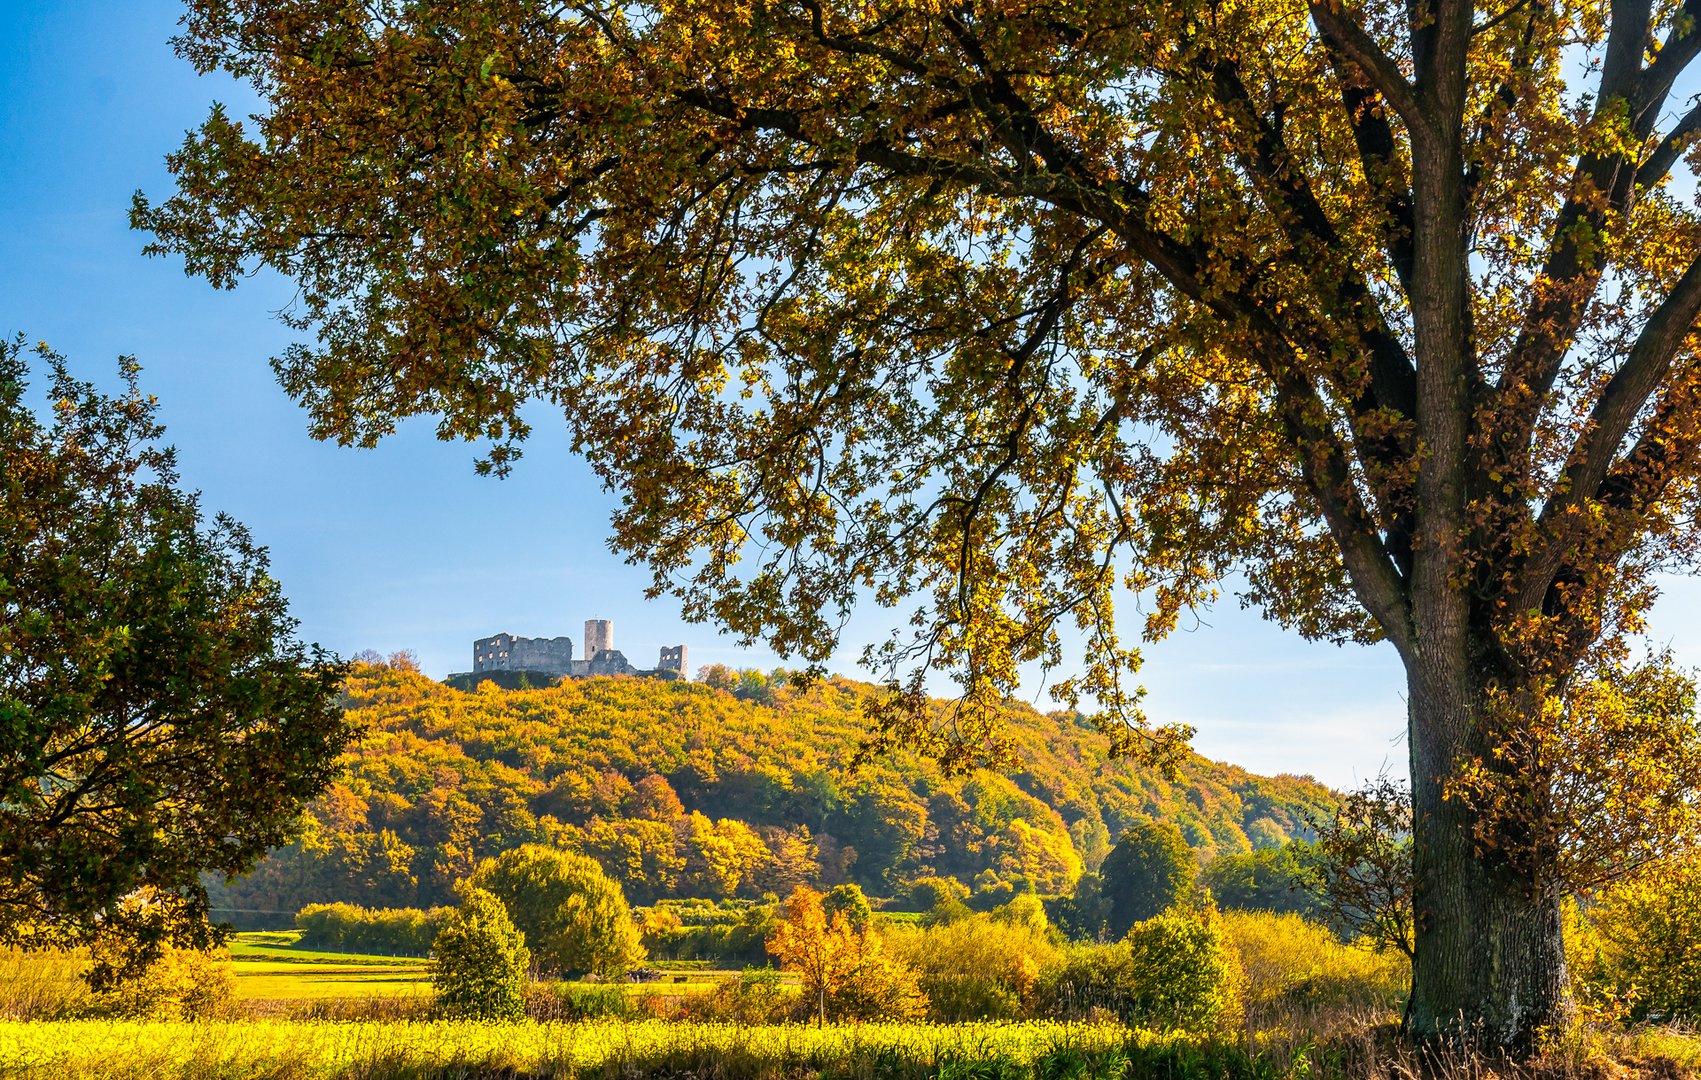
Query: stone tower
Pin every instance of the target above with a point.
(673, 659)
(599, 635)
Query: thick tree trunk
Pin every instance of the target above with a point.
(1490, 966)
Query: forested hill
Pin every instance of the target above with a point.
(681, 789)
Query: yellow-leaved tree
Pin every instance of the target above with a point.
(848, 971)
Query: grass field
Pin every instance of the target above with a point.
(269, 966)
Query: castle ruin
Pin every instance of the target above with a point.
(673, 659)
(554, 656)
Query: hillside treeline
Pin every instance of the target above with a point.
(723, 791)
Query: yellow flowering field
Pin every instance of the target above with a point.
(51, 1050)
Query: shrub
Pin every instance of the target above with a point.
(926, 894)
(386, 931)
(757, 996)
(1175, 971)
(1361, 867)
(595, 1003)
(1089, 982)
(1293, 963)
(479, 961)
(1639, 942)
(1185, 973)
(182, 984)
(978, 968)
(574, 916)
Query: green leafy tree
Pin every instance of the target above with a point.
(479, 960)
(158, 718)
(1266, 879)
(849, 901)
(1150, 869)
(1085, 913)
(574, 916)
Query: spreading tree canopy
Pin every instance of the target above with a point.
(158, 718)
(574, 915)
(988, 310)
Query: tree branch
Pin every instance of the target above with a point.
(1344, 35)
(1623, 399)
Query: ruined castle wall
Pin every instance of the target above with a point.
(672, 659)
(609, 662)
(505, 652)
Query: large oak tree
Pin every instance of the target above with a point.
(989, 309)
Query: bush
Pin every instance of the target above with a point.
(594, 1003)
(1089, 982)
(757, 996)
(386, 931)
(479, 961)
(182, 984)
(574, 916)
(978, 968)
(1175, 971)
(1185, 973)
(927, 894)
(1293, 963)
(1637, 944)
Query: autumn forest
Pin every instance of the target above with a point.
(680, 789)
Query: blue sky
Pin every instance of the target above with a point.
(403, 546)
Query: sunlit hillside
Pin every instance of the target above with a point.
(682, 789)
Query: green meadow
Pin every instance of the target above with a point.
(269, 966)
(272, 966)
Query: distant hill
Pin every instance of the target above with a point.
(680, 789)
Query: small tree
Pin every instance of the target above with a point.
(1150, 869)
(574, 915)
(479, 961)
(849, 901)
(1362, 875)
(846, 971)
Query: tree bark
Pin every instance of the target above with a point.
(1490, 964)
